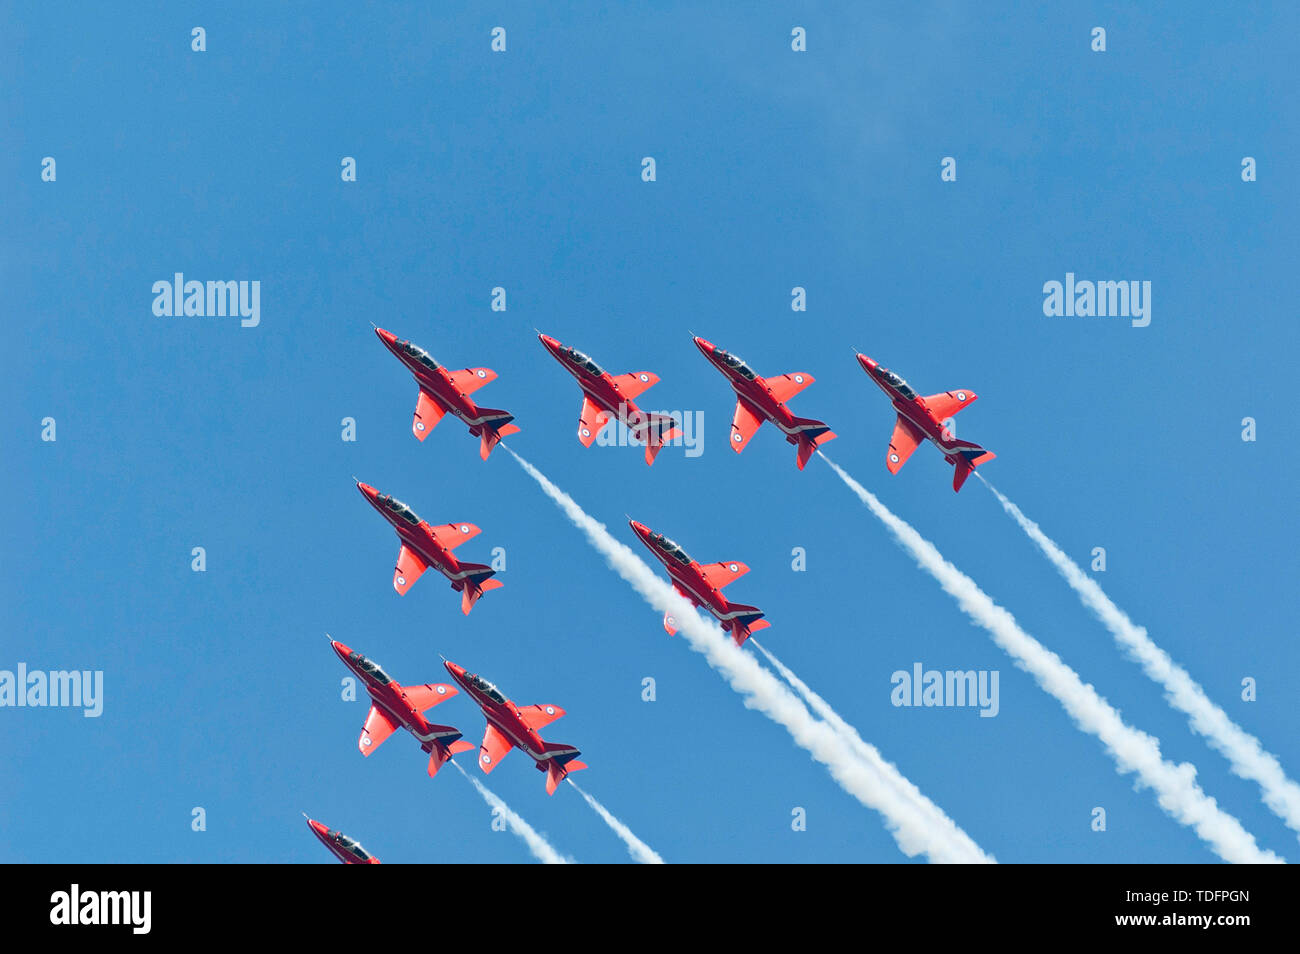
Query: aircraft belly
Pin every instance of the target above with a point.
(699, 600)
(922, 424)
(435, 562)
(512, 736)
(402, 721)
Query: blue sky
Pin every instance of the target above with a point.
(775, 169)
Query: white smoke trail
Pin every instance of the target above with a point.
(1244, 752)
(818, 705)
(539, 846)
(815, 702)
(637, 848)
(1134, 751)
(918, 826)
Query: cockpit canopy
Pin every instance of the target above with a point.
(395, 506)
(485, 687)
(371, 668)
(591, 367)
(733, 362)
(351, 845)
(894, 381)
(419, 354)
(671, 548)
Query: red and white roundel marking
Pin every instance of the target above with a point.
(486, 759)
(419, 425)
(482, 373)
(645, 377)
(401, 581)
(550, 710)
(798, 379)
(464, 528)
(961, 395)
(365, 740)
(672, 621)
(737, 438)
(442, 690)
(893, 458)
(734, 568)
(584, 432)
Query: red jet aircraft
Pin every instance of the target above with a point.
(607, 397)
(511, 727)
(345, 849)
(759, 399)
(702, 585)
(424, 546)
(442, 391)
(921, 418)
(393, 706)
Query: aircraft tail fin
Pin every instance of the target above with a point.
(965, 457)
(656, 432)
(442, 750)
(812, 434)
(749, 621)
(563, 761)
(495, 426)
(476, 583)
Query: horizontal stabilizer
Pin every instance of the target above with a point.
(742, 613)
(742, 631)
(965, 457)
(812, 434)
(440, 752)
(563, 760)
(475, 586)
(493, 429)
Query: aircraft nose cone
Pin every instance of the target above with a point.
(343, 651)
(866, 362)
(551, 343)
(456, 671)
(367, 490)
(641, 529)
(387, 337)
(703, 344)
(318, 828)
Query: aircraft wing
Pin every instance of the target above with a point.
(904, 440)
(786, 386)
(408, 569)
(720, 574)
(591, 421)
(670, 621)
(452, 535)
(428, 412)
(631, 385)
(471, 379)
(429, 695)
(495, 747)
(743, 425)
(377, 728)
(949, 402)
(540, 716)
